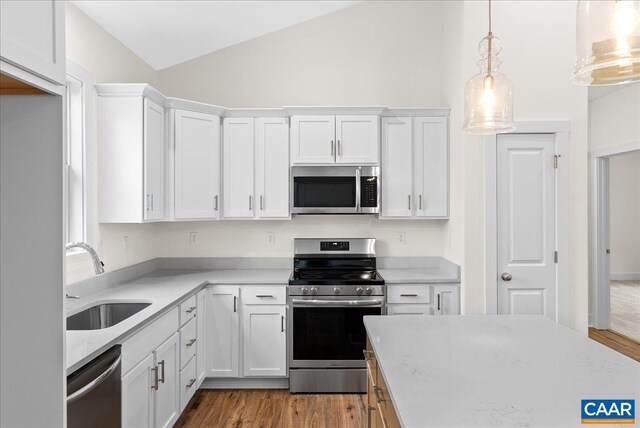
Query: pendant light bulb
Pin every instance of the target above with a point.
(489, 94)
(607, 42)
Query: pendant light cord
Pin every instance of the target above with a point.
(490, 37)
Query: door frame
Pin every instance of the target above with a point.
(600, 231)
(560, 128)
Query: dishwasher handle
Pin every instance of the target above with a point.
(95, 382)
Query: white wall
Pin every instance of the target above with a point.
(624, 184)
(108, 61)
(614, 118)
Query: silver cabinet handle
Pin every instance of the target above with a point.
(438, 301)
(155, 378)
(191, 382)
(506, 276)
(216, 202)
(91, 385)
(152, 202)
(408, 295)
(282, 323)
(161, 364)
(261, 202)
(420, 201)
(235, 304)
(333, 148)
(250, 203)
(148, 202)
(264, 295)
(191, 309)
(339, 148)
(409, 201)
(191, 342)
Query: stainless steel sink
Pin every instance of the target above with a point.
(103, 315)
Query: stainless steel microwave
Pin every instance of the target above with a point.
(335, 190)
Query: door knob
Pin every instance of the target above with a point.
(506, 276)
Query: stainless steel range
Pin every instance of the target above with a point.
(333, 285)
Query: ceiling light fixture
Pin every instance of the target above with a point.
(607, 42)
(488, 99)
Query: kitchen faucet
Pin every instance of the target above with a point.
(98, 266)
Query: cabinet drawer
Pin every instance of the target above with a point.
(141, 344)
(408, 294)
(264, 295)
(188, 383)
(188, 342)
(188, 309)
(408, 309)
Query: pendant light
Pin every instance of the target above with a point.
(607, 42)
(489, 94)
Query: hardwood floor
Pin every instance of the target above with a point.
(625, 308)
(273, 408)
(617, 342)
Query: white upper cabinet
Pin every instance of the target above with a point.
(348, 139)
(132, 146)
(357, 139)
(32, 37)
(196, 165)
(239, 200)
(272, 167)
(397, 167)
(154, 149)
(313, 139)
(256, 168)
(431, 157)
(415, 167)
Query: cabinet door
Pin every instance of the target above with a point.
(167, 396)
(431, 139)
(222, 331)
(357, 139)
(446, 299)
(197, 165)
(397, 167)
(238, 168)
(154, 147)
(265, 343)
(272, 168)
(201, 334)
(408, 309)
(32, 37)
(313, 139)
(137, 395)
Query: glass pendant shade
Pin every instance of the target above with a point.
(489, 94)
(607, 42)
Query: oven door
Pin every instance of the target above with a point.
(325, 190)
(328, 331)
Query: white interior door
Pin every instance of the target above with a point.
(197, 165)
(397, 168)
(238, 168)
(272, 167)
(526, 224)
(153, 160)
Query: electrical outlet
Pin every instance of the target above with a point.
(193, 237)
(125, 243)
(271, 238)
(402, 237)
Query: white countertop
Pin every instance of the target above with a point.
(163, 289)
(494, 370)
(418, 276)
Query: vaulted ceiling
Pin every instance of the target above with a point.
(166, 33)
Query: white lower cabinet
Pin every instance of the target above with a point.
(423, 299)
(246, 331)
(137, 395)
(167, 401)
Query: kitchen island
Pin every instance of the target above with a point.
(491, 370)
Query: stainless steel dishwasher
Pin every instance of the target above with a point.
(94, 392)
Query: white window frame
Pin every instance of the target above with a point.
(81, 162)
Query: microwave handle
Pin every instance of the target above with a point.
(358, 185)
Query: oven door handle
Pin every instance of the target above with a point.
(336, 303)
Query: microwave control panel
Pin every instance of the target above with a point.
(369, 192)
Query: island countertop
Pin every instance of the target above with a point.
(492, 370)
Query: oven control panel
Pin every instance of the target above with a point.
(334, 245)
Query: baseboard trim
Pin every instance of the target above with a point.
(245, 383)
(624, 276)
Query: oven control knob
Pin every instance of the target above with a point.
(359, 290)
(336, 290)
(369, 291)
(314, 290)
(304, 290)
